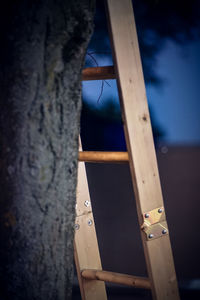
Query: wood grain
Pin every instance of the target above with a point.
(139, 139)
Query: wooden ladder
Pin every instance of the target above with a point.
(144, 172)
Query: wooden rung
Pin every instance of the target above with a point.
(137, 282)
(103, 156)
(98, 73)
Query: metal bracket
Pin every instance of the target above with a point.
(155, 224)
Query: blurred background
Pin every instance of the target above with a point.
(169, 40)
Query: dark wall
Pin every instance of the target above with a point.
(115, 212)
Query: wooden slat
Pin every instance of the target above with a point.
(103, 156)
(98, 73)
(86, 251)
(139, 139)
(137, 282)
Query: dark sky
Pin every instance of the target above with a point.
(176, 104)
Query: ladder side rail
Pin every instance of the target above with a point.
(86, 250)
(139, 139)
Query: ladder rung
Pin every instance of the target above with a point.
(103, 156)
(137, 282)
(98, 73)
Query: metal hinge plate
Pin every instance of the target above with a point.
(155, 225)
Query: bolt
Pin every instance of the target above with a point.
(164, 231)
(151, 235)
(160, 210)
(90, 222)
(87, 203)
(77, 226)
(146, 215)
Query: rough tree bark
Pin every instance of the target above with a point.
(43, 44)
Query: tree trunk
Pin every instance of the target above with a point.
(43, 45)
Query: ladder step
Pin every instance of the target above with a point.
(137, 282)
(98, 73)
(103, 156)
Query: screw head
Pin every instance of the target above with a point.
(164, 231)
(151, 235)
(160, 210)
(90, 222)
(77, 226)
(87, 203)
(146, 215)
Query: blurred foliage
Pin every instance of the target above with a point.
(157, 21)
(160, 20)
(102, 128)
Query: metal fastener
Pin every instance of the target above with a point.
(77, 226)
(87, 203)
(151, 235)
(160, 210)
(90, 222)
(146, 215)
(164, 231)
